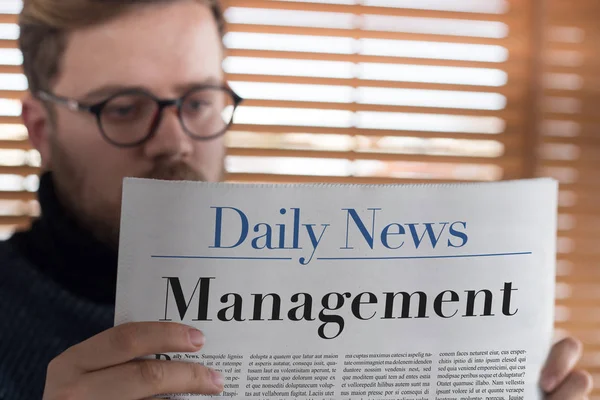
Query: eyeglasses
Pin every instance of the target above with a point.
(131, 117)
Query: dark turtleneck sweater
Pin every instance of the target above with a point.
(57, 289)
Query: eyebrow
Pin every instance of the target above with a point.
(110, 89)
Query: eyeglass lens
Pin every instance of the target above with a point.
(204, 113)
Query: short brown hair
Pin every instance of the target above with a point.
(45, 25)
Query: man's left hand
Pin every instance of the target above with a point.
(560, 380)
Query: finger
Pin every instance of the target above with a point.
(129, 341)
(576, 386)
(146, 378)
(562, 359)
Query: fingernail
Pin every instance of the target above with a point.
(217, 378)
(196, 337)
(548, 383)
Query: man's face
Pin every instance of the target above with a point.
(165, 49)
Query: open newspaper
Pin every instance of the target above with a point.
(348, 292)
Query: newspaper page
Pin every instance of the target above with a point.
(321, 292)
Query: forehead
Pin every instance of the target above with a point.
(156, 46)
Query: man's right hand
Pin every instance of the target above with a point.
(106, 366)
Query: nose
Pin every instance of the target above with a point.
(169, 141)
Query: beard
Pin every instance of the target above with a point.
(178, 171)
(91, 207)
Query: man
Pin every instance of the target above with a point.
(103, 79)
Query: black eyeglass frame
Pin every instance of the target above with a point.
(97, 108)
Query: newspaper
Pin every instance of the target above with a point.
(339, 292)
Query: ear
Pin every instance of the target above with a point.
(37, 121)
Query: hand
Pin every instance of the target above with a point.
(105, 366)
(560, 380)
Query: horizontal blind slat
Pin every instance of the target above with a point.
(353, 180)
(355, 155)
(8, 44)
(19, 196)
(9, 18)
(513, 90)
(15, 220)
(510, 138)
(513, 43)
(514, 67)
(11, 69)
(19, 170)
(15, 144)
(355, 107)
(10, 120)
(12, 94)
(508, 18)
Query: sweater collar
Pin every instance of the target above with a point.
(58, 246)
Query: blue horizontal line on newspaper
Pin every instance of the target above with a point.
(346, 258)
(226, 258)
(525, 253)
